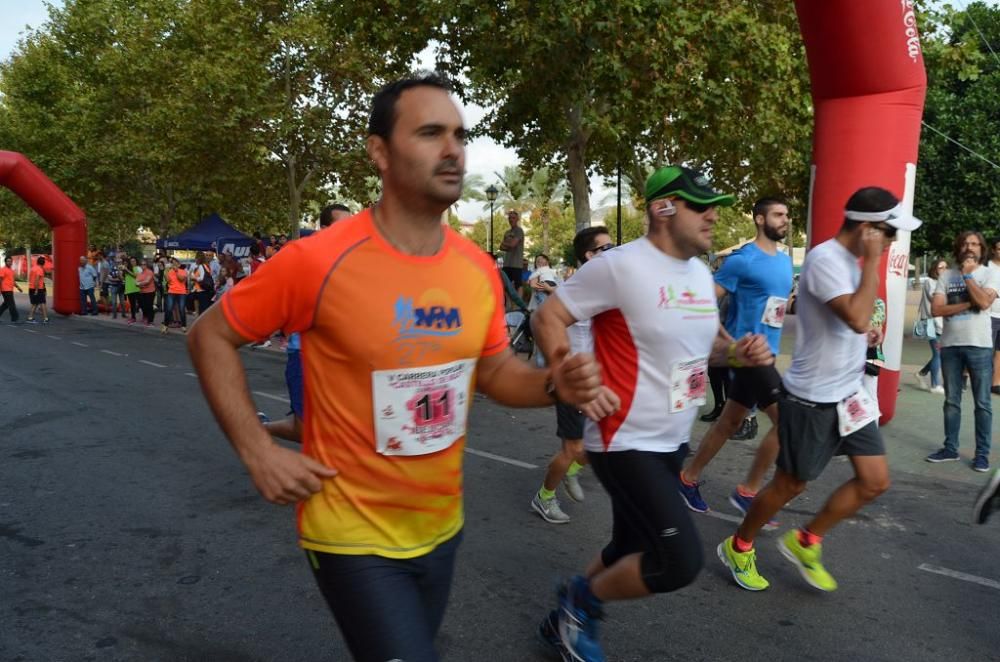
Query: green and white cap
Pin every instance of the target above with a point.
(684, 183)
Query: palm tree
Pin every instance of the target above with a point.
(544, 192)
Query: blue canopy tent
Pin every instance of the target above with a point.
(211, 234)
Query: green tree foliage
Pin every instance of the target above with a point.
(589, 85)
(957, 190)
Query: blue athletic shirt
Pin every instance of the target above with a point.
(751, 277)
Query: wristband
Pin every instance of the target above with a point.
(732, 361)
(966, 276)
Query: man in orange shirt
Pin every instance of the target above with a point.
(389, 373)
(36, 291)
(7, 286)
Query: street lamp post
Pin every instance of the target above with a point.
(491, 195)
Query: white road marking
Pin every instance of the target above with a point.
(272, 397)
(108, 351)
(30, 331)
(78, 344)
(155, 365)
(501, 458)
(54, 337)
(190, 374)
(954, 574)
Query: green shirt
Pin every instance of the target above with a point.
(130, 285)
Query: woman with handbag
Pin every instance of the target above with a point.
(929, 328)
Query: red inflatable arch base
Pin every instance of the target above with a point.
(68, 223)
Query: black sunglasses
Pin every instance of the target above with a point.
(697, 207)
(601, 249)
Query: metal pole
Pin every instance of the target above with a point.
(619, 204)
(489, 229)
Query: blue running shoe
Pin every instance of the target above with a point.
(579, 612)
(692, 496)
(741, 502)
(981, 463)
(264, 418)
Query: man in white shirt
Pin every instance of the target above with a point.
(565, 465)
(963, 298)
(656, 328)
(825, 409)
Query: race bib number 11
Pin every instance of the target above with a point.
(421, 410)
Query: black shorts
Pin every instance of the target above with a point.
(36, 297)
(995, 328)
(649, 515)
(760, 387)
(809, 438)
(514, 274)
(569, 422)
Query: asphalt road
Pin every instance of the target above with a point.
(130, 531)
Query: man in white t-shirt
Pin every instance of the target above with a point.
(656, 328)
(963, 298)
(565, 465)
(825, 409)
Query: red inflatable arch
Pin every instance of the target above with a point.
(68, 223)
(868, 86)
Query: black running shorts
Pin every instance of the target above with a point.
(569, 422)
(36, 297)
(760, 387)
(809, 438)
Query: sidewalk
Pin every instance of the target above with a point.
(23, 307)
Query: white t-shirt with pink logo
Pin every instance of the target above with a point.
(655, 319)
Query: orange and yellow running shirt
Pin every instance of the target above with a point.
(36, 280)
(389, 347)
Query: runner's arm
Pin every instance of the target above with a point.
(281, 476)
(856, 309)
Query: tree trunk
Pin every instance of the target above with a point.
(294, 197)
(576, 159)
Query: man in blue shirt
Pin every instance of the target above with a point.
(88, 281)
(758, 279)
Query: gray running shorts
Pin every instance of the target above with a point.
(809, 438)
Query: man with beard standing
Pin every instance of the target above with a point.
(758, 279)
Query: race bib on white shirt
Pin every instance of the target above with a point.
(855, 412)
(688, 381)
(423, 410)
(774, 312)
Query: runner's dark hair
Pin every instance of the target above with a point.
(383, 116)
(763, 205)
(584, 241)
(868, 199)
(326, 215)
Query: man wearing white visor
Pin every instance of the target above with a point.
(824, 409)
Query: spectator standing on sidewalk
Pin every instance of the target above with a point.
(7, 286)
(176, 284)
(513, 247)
(116, 287)
(37, 292)
(202, 284)
(88, 281)
(130, 272)
(145, 281)
(931, 328)
(963, 298)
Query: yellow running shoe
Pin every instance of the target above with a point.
(743, 565)
(807, 561)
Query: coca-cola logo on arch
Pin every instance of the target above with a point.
(898, 263)
(910, 29)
